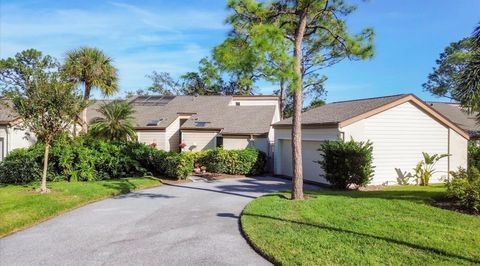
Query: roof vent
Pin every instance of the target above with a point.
(154, 123)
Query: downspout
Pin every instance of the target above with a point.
(7, 144)
(449, 155)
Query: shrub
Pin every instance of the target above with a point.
(464, 186)
(177, 165)
(20, 167)
(347, 163)
(473, 155)
(426, 168)
(234, 162)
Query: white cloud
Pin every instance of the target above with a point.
(140, 39)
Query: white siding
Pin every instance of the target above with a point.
(242, 142)
(152, 137)
(236, 142)
(399, 137)
(14, 138)
(458, 151)
(200, 140)
(172, 135)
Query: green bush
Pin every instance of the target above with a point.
(347, 163)
(464, 186)
(20, 167)
(177, 165)
(473, 155)
(84, 159)
(234, 162)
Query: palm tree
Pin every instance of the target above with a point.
(93, 69)
(468, 91)
(116, 123)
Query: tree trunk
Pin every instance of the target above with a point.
(297, 182)
(86, 97)
(282, 97)
(43, 186)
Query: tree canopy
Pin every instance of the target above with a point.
(46, 100)
(445, 77)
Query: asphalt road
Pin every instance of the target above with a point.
(185, 224)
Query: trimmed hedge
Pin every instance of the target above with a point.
(89, 160)
(234, 162)
(347, 163)
(85, 159)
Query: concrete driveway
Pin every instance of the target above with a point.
(186, 224)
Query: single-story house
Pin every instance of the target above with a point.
(400, 127)
(454, 112)
(202, 122)
(12, 135)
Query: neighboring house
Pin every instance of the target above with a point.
(459, 116)
(400, 127)
(12, 135)
(203, 122)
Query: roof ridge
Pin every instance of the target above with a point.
(372, 98)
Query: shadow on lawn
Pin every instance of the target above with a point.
(414, 195)
(345, 231)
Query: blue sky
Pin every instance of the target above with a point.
(172, 36)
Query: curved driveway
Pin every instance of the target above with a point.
(185, 224)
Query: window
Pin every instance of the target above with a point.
(237, 103)
(219, 142)
(200, 124)
(153, 123)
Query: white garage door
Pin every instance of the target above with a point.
(311, 169)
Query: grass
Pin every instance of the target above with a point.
(395, 226)
(20, 206)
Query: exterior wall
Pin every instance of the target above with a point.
(172, 136)
(242, 142)
(311, 140)
(399, 136)
(153, 136)
(458, 146)
(14, 138)
(199, 140)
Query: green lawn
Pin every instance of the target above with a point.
(20, 206)
(395, 226)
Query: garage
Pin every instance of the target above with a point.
(311, 169)
(401, 128)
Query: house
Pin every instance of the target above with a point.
(12, 135)
(203, 122)
(400, 127)
(454, 112)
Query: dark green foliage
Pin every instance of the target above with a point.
(115, 123)
(464, 186)
(473, 155)
(19, 167)
(444, 79)
(91, 160)
(347, 163)
(234, 162)
(176, 165)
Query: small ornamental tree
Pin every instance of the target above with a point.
(46, 102)
(347, 163)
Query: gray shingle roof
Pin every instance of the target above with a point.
(336, 112)
(456, 114)
(211, 109)
(7, 113)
